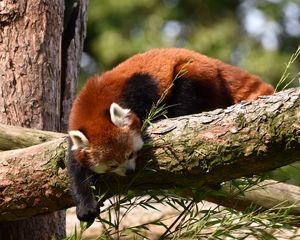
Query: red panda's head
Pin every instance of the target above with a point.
(113, 150)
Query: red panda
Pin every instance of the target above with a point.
(106, 117)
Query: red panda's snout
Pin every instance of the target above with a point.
(115, 154)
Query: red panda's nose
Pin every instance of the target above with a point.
(129, 172)
(113, 167)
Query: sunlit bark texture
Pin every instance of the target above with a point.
(187, 152)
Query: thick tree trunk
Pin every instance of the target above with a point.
(189, 151)
(72, 47)
(38, 75)
(31, 33)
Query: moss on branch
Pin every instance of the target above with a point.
(189, 151)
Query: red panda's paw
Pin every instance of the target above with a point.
(87, 212)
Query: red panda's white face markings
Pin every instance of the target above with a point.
(116, 153)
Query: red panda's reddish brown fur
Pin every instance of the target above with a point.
(163, 65)
(89, 111)
(105, 120)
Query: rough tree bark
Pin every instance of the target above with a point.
(39, 56)
(189, 151)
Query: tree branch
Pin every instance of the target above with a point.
(267, 194)
(189, 151)
(13, 137)
(33, 180)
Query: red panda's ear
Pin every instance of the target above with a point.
(119, 116)
(79, 140)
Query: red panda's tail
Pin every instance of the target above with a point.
(241, 84)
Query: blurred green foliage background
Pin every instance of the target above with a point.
(257, 35)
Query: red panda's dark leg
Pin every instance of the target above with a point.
(192, 95)
(81, 179)
(197, 87)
